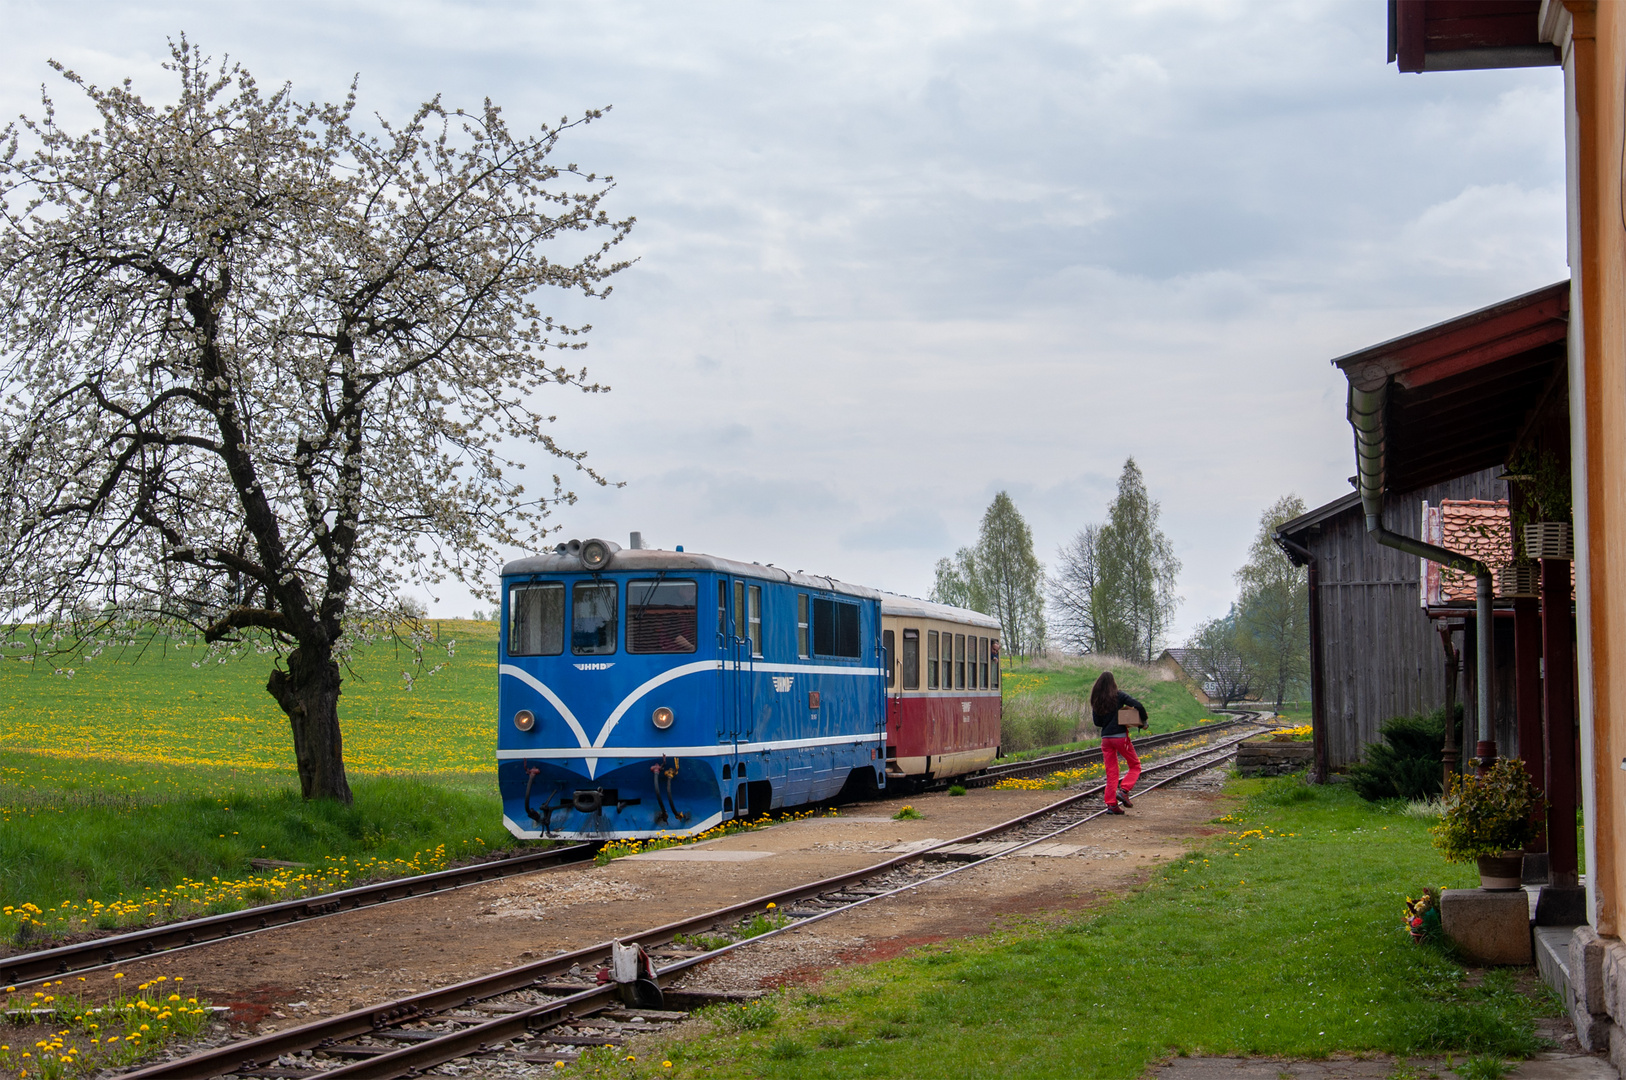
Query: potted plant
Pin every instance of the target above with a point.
(1541, 520)
(1488, 819)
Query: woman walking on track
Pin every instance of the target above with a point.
(1105, 701)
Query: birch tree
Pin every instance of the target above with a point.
(262, 367)
(1136, 598)
(1010, 577)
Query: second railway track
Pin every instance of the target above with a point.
(548, 1010)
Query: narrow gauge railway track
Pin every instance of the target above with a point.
(24, 968)
(1043, 766)
(537, 1005)
(138, 944)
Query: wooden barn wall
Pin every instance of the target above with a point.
(1381, 654)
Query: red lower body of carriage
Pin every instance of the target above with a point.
(937, 733)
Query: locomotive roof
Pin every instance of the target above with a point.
(654, 560)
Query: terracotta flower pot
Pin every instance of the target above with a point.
(1501, 873)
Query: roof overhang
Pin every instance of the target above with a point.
(1457, 397)
(1464, 35)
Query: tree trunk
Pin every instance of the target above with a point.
(309, 693)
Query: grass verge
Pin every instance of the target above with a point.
(1282, 936)
(77, 859)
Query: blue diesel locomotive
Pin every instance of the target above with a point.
(644, 692)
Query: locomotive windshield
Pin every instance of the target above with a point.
(662, 616)
(536, 619)
(593, 618)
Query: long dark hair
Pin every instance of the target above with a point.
(1104, 694)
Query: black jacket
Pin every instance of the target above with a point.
(1108, 721)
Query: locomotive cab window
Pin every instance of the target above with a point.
(911, 659)
(931, 659)
(835, 628)
(593, 618)
(802, 627)
(722, 608)
(662, 616)
(536, 619)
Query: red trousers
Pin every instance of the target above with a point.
(1111, 749)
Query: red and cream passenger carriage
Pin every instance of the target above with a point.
(942, 691)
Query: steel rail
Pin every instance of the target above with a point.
(1034, 767)
(489, 1035)
(25, 968)
(682, 965)
(96, 953)
(248, 1055)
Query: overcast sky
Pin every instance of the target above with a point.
(895, 257)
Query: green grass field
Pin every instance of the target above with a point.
(141, 787)
(1281, 936)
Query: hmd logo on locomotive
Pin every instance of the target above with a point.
(595, 667)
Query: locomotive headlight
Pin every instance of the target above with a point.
(662, 718)
(595, 554)
(525, 720)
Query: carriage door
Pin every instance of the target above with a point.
(733, 607)
(894, 693)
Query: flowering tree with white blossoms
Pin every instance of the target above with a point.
(260, 366)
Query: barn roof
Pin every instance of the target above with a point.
(1461, 394)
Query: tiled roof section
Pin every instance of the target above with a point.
(1480, 529)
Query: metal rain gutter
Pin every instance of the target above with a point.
(1366, 416)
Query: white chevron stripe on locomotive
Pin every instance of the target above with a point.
(660, 680)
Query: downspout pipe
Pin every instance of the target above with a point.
(1366, 416)
(1318, 713)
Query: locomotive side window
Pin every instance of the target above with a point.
(802, 627)
(931, 659)
(835, 628)
(739, 609)
(982, 651)
(593, 618)
(536, 619)
(889, 647)
(722, 608)
(959, 662)
(662, 616)
(754, 618)
(911, 659)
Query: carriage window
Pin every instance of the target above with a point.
(982, 651)
(802, 626)
(835, 628)
(662, 616)
(959, 662)
(536, 619)
(911, 659)
(722, 608)
(889, 645)
(931, 659)
(753, 622)
(993, 659)
(592, 622)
